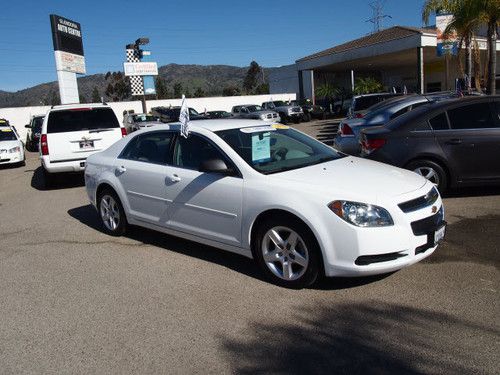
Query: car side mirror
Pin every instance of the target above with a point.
(215, 166)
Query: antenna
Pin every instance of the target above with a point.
(378, 14)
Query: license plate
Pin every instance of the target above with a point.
(84, 145)
(439, 234)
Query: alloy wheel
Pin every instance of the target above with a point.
(110, 213)
(285, 253)
(429, 173)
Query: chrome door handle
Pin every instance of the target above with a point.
(175, 178)
(121, 170)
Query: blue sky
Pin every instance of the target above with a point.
(273, 33)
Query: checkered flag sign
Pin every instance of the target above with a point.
(136, 84)
(184, 118)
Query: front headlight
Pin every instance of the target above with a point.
(361, 214)
(263, 116)
(15, 149)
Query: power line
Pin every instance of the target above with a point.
(378, 14)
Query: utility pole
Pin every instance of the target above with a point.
(378, 15)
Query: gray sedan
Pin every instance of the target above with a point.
(137, 121)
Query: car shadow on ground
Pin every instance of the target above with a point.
(476, 191)
(369, 337)
(88, 216)
(61, 181)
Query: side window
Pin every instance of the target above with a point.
(439, 122)
(190, 152)
(149, 148)
(473, 116)
(416, 105)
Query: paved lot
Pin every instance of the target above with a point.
(73, 300)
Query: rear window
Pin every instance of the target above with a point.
(81, 119)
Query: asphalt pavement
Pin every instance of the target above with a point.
(74, 300)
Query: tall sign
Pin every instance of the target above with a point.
(446, 43)
(68, 52)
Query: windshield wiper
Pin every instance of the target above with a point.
(288, 168)
(100, 130)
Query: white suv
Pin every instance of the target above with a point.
(71, 133)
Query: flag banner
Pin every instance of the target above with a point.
(184, 118)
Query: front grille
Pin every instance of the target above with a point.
(269, 116)
(275, 115)
(365, 260)
(296, 109)
(420, 202)
(429, 224)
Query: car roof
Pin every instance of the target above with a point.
(63, 107)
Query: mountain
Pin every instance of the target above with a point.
(212, 79)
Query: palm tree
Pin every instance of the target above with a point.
(490, 14)
(367, 85)
(465, 22)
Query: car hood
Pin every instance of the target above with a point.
(355, 177)
(5, 145)
(145, 124)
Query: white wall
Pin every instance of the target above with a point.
(20, 116)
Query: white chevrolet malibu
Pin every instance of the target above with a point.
(298, 207)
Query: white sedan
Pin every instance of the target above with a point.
(298, 207)
(11, 146)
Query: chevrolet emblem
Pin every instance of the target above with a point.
(434, 209)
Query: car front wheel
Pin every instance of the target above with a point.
(111, 213)
(287, 253)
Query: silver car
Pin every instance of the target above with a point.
(253, 111)
(137, 121)
(347, 139)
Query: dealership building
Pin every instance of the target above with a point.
(398, 57)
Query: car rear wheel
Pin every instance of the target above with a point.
(431, 171)
(287, 253)
(111, 213)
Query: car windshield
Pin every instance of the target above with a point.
(144, 118)
(192, 112)
(279, 103)
(6, 134)
(278, 148)
(254, 108)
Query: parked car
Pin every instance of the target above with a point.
(452, 143)
(218, 114)
(34, 130)
(171, 114)
(11, 146)
(286, 111)
(348, 137)
(360, 103)
(309, 109)
(256, 112)
(72, 132)
(137, 121)
(268, 192)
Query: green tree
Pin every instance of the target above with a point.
(490, 14)
(262, 89)
(54, 98)
(367, 85)
(326, 91)
(118, 87)
(178, 90)
(83, 98)
(231, 91)
(199, 93)
(96, 98)
(252, 77)
(161, 88)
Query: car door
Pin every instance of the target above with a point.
(142, 170)
(207, 205)
(472, 141)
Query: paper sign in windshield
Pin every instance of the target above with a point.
(261, 147)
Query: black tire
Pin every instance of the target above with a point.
(306, 117)
(421, 166)
(284, 119)
(121, 225)
(313, 269)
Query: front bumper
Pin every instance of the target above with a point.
(355, 251)
(11, 158)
